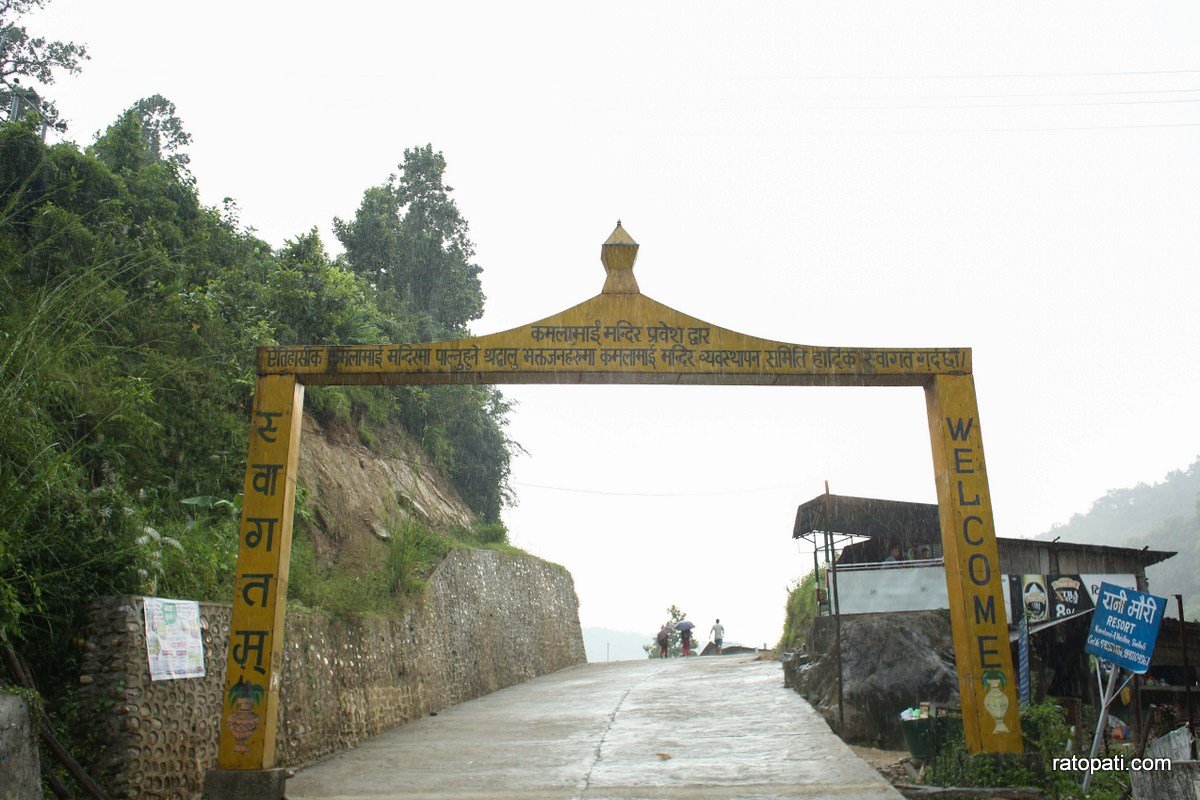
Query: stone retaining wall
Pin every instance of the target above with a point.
(486, 620)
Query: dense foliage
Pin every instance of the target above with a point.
(800, 610)
(129, 314)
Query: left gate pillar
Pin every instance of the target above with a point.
(254, 660)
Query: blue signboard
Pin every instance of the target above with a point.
(1125, 627)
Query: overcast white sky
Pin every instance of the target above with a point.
(1020, 180)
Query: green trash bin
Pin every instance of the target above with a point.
(918, 735)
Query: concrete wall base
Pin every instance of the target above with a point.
(20, 771)
(1181, 782)
(440, 650)
(244, 784)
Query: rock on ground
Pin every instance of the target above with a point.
(889, 662)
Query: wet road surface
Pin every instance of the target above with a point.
(712, 727)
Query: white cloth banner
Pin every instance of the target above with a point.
(173, 642)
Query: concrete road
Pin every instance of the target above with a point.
(713, 727)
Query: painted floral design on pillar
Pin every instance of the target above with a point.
(243, 720)
(995, 701)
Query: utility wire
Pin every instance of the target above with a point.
(1010, 94)
(429, 462)
(656, 494)
(1118, 73)
(892, 132)
(922, 107)
(783, 104)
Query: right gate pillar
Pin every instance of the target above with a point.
(978, 618)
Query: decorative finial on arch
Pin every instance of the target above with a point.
(617, 254)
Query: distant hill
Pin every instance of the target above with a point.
(1163, 516)
(605, 644)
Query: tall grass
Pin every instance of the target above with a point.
(53, 353)
(392, 578)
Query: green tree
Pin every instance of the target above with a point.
(466, 429)
(314, 301)
(411, 243)
(159, 136)
(33, 59)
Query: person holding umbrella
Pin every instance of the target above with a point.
(664, 639)
(685, 635)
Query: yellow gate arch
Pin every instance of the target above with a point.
(618, 336)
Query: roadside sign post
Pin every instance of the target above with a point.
(1124, 629)
(1023, 660)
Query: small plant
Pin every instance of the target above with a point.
(490, 533)
(152, 544)
(214, 504)
(244, 690)
(1045, 736)
(413, 552)
(301, 514)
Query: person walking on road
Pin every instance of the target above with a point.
(717, 634)
(664, 640)
(684, 627)
(685, 635)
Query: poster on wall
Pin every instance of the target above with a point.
(1039, 598)
(1033, 597)
(1068, 596)
(1092, 583)
(173, 643)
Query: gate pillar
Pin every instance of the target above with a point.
(253, 667)
(978, 618)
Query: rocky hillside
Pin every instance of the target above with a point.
(355, 493)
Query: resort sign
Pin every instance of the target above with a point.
(1125, 627)
(1124, 630)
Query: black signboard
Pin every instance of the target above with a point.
(1039, 598)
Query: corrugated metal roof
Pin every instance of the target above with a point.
(874, 517)
(867, 516)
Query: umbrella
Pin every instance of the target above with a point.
(684, 625)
